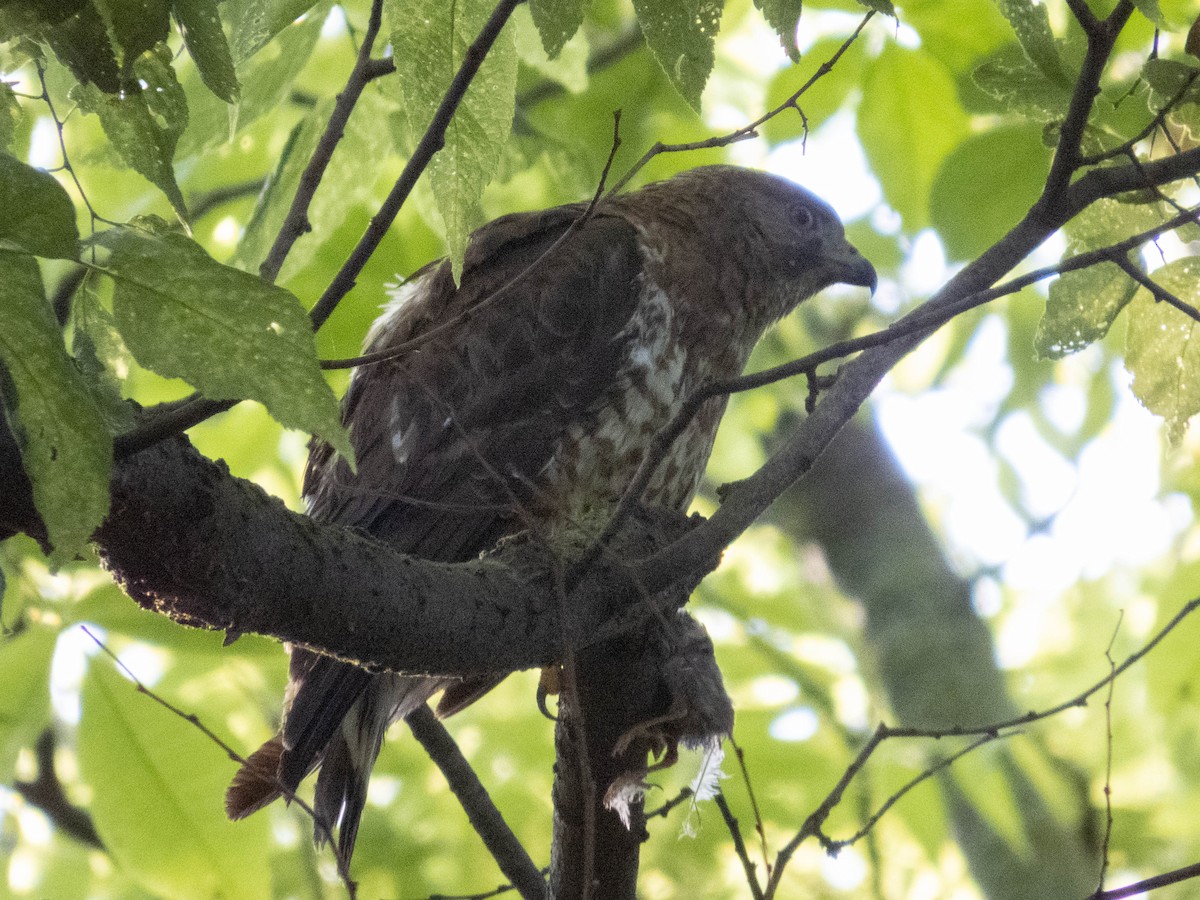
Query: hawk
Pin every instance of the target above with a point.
(542, 382)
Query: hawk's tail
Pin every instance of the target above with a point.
(336, 721)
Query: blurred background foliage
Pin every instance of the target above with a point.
(969, 550)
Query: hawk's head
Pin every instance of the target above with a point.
(782, 242)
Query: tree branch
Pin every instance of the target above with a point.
(487, 821)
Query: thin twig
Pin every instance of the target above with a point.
(1142, 887)
(750, 130)
(296, 223)
(740, 754)
(739, 846)
(1108, 759)
(486, 819)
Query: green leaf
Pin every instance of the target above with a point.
(1019, 86)
(65, 448)
(184, 315)
(1149, 9)
(254, 22)
(431, 39)
(265, 78)
(137, 25)
(10, 115)
(81, 42)
(568, 65)
(1082, 305)
(908, 121)
(206, 43)
(25, 701)
(39, 217)
(556, 21)
(681, 35)
(784, 17)
(1162, 347)
(1001, 171)
(157, 786)
(342, 186)
(144, 125)
(1031, 22)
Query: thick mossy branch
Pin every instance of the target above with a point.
(188, 540)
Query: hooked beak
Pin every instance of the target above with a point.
(851, 267)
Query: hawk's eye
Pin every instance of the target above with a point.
(802, 216)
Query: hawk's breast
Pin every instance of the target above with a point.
(598, 456)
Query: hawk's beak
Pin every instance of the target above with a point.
(852, 267)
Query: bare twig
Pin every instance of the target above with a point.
(750, 130)
(740, 754)
(739, 846)
(485, 818)
(1142, 887)
(1108, 759)
(296, 222)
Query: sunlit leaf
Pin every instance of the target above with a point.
(144, 125)
(681, 36)
(1163, 347)
(1020, 86)
(430, 47)
(65, 448)
(25, 700)
(908, 121)
(1083, 304)
(38, 217)
(253, 23)
(1002, 171)
(206, 43)
(184, 315)
(157, 786)
(1031, 23)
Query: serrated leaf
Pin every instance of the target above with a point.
(228, 334)
(157, 786)
(1162, 347)
(1021, 87)
(342, 186)
(431, 39)
(1082, 305)
(81, 42)
(908, 121)
(1001, 171)
(136, 25)
(206, 42)
(65, 448)
(144, 125)
(1031, 23)
(10, 115)
(253, 23)
(39, 217)
(568, 64)
(557, 22)
(100, 355)
(681, 35)
(784, 17)
(266, 78)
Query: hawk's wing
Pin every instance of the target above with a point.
(451, 440)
